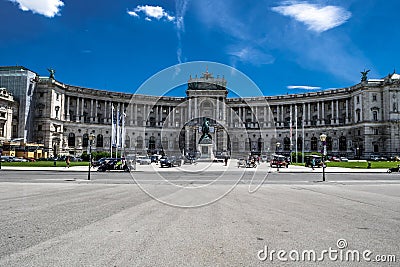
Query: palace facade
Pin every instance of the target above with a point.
(359, 121)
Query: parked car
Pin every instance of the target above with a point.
(155, 158)
(100, 162)
(317, 160)
(344, 159)
(19, 159)
(143, 160)
(114, 164)
(170, 162)
(6, 158)
(279, 160)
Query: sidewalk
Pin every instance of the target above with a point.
(205, 166)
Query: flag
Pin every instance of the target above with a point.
(118, 129)
(123, 130)
(113, 127)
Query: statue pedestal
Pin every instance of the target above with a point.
(205, 147)
(206, 151)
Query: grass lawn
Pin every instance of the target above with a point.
(44, 164)
(360, 165)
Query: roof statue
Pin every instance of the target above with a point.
(207, 82)
(51, 72)
(364, 77)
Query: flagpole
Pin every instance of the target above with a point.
(118, 133)
(112, 130)
(291, 133)
(295, 121)
(302, 134)
(123, 134)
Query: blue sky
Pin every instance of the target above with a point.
(283, 46)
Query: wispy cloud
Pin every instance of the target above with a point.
(181, 6)
(303, 87)
(247, 44)
(317, 18)
(151, 12)
(251, 54)
(48, 8)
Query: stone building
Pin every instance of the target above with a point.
(359, 121)
(8, 115)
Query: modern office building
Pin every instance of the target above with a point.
(359, 121)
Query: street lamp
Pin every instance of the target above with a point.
(91, 138)
(277, 148)
(323, 140)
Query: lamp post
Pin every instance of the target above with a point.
(277, 149)
(323, 140)
(91, 138)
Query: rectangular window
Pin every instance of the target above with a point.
(374, 97)
(40, 127)
(358, 99)
(57, 96)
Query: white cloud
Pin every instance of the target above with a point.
(317, 18)
(303, 87)
(133, 14)
(150, 12)
(48, 8)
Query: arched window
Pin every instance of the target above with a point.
(85, 140)
(71, 139)
(139, 142)
(99, 140)
(127, 142)
(314, 143)
(152, 143)
(299, 143)
(260, 145)
(329, 143)
(342, 143)
(286, 143)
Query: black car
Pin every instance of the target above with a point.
(169, 162)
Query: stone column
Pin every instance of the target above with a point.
(223, 111)
(337, 112)
(332, 112)
(78, 115)
(96, 118)
(189, 111)
(68, 115)
(303, 117)
(265, 117)
(217, 104)
(282, 113)
(91, 119)
(136, 115)
(323, 112)
(278, 116)
(318, 117)
(309, 114)
(82, 108)
(347, 111)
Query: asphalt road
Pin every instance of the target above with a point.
(50, 219)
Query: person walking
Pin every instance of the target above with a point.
(313, 163)
(67, 160)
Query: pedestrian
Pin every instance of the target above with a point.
(226, 160)
(67, 161)
(313, 163)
